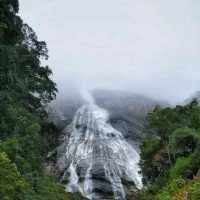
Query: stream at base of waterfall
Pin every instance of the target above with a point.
(96, 158)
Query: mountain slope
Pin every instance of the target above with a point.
(127, 110)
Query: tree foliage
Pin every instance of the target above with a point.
(25, 88)
(171, 156)
(12, 184)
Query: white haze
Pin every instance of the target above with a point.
(146, 46)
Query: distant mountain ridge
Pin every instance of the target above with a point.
(127, 110)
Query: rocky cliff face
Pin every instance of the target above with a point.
(61, 111)
(95, 159)
(98, 154)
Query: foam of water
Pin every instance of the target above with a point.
(93, 140)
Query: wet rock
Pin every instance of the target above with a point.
(94, 158)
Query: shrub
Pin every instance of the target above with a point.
(183, 168)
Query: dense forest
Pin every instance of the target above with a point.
(170, 157)
(25, 134)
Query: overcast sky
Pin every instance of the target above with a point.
(147, 46)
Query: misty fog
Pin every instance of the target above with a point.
(147, 47)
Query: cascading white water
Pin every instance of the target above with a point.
(96, 151)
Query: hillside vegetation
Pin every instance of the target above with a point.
(171, 156)
(25, 135)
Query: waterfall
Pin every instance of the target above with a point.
(96, 158)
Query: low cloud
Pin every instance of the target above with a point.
(150, 47)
